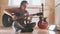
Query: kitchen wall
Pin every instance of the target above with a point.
(57, 12)
(3, 5)
(51, 4)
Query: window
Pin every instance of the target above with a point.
(31, 2)
(36, 2)
(14, 2)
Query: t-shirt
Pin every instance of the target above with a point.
(21, 15)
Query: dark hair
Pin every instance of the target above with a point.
(23, 2)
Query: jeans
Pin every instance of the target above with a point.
(28, 28)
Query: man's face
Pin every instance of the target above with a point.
(24, 6)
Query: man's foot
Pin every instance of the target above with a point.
(27, 30)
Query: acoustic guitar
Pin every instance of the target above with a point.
(42, 23)
(7, 20)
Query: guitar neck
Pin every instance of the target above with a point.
(42, 10)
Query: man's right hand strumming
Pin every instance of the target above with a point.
(14, 17)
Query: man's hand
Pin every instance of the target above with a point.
(14, 17)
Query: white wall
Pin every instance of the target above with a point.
(57, 13)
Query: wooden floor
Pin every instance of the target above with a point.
(9, 30)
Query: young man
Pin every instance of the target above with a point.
(21, 15)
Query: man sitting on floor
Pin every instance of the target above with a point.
(21, 16)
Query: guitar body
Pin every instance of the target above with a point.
(42, 24)
(7, 20)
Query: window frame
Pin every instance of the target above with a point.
(10, 3)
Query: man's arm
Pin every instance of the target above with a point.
(9, 11)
